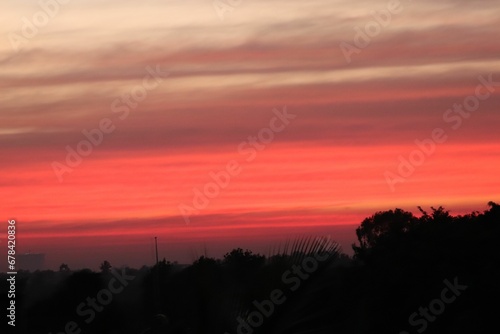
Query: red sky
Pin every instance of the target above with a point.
(353, 120)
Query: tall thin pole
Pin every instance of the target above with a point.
(156, 246)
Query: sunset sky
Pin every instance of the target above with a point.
(181, 90)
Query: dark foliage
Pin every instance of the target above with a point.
(400, 265)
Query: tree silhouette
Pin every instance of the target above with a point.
(402, 260)
(238, 258)
(105, 267)
(380, 229)
(64, 267)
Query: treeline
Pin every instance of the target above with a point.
(432, 273)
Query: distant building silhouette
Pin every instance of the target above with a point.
(30, 261)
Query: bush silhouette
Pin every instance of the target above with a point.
(399, 265)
